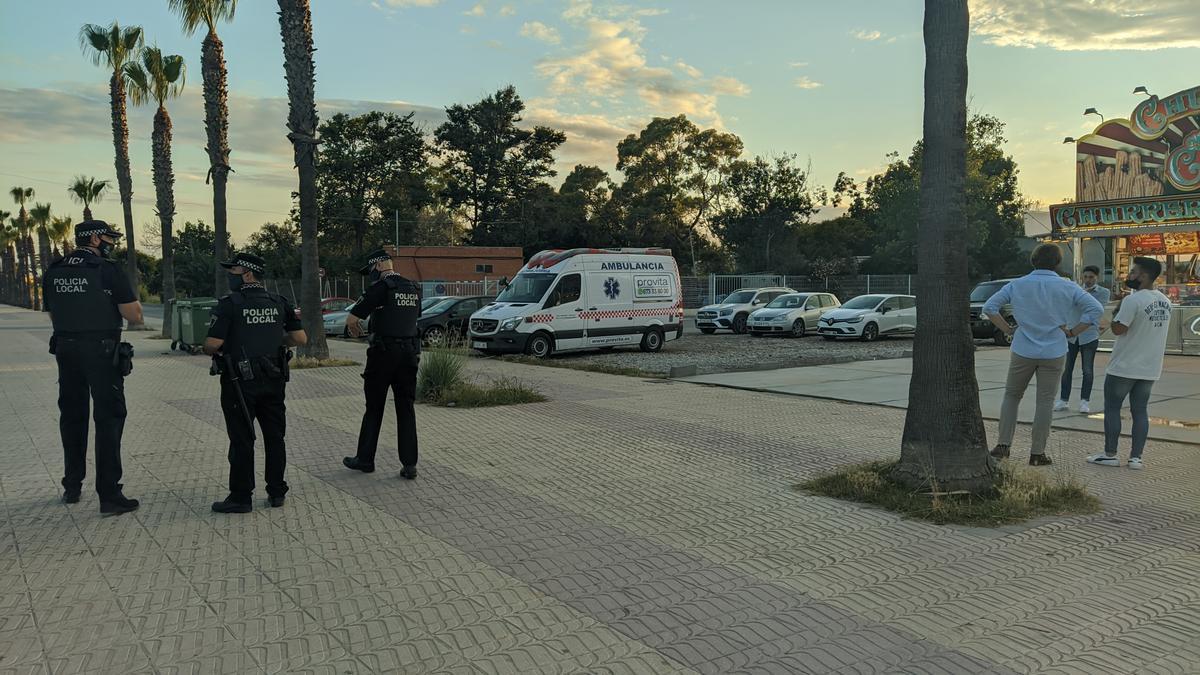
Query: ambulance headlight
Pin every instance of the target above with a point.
(511, 324)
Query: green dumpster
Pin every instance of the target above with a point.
(189, 325)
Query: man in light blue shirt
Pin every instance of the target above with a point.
(1044, 305)
(1084, 347)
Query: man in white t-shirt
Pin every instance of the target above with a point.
(1140, 324)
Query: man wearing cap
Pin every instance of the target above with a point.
(248, 337)
(394, 304)
(87, 295)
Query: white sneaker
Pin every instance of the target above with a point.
(1084, 409)
(1103, 460)
(1060, 406)
(1136, 463)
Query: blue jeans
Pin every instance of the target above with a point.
(1115, 391)
(1088, 352)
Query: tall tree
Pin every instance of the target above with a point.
(768, 202)
(279, 246)
(208, 13)
(944, 445)
(157, 79)
(114, 47)
(40, 215)
(492, 164)
(295, 27)
(195, 255)
(21, 195)
(8, 258)
(87, 190)
(62, 231)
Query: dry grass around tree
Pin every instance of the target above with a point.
(442, 381)
(306, 362)
(1021, 493)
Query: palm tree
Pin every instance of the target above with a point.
(86, 190)
(159, 78)
(944, 446)
(40, 215)
(20, 196)
(8, 238)
(113, 48)
(62, 230)
(295, 25)
(209, 13)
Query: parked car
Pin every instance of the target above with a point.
(449, 318)
(334, 304)
(335, 322)
(431, 301)
(733, 312)
(981, 327)
(868, 317)
(793, 314)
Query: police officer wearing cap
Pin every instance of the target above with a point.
(87, 295)
(248, 338)
(394, 304)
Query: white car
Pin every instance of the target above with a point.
(868, 317)
(733, 312)
(792, 315)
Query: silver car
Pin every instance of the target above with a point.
(791, 315)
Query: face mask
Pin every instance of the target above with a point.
(1089, 284)
(374, 276)
(105, 248)
(1133, 283)
(235, 282)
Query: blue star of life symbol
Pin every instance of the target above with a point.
(612, 288)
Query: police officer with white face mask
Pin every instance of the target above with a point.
(248, 339)
(87, 295)
(393, 303)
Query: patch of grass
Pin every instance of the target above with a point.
(501, 391)
(1020, 494)
(305, 362)
(586, 366)
(441, 371)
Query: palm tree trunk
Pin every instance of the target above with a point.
(164, 189)
(295, 26)
(216, 124)
(120, 129)
(23, 259)
(944, 446)
(87, 212)
(43, 249)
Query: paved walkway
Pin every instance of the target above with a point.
(621, 527)
(1174, 405)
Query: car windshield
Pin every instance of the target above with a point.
(429, 302)
(864, 302)
(440, 306)
(983, 292)
(527, 287)
(788, 302)
(739, 298)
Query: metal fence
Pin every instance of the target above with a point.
(352, 286)
(700, 291)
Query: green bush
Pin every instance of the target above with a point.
(441, 371)
(502, 391)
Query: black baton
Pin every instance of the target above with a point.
(231, 371)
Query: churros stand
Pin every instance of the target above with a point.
(1138, 191)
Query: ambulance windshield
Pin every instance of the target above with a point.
(527, 288)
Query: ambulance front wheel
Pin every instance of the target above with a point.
(652, 341)
(540, 346)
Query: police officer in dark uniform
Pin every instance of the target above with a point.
(248, 339)
(87, 295)
(394, 304)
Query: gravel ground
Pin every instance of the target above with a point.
(725, 352)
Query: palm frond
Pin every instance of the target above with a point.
(111, 45)
(140, 87)
(207, 13)
(21, 195)
(93, 41)
(86, 189)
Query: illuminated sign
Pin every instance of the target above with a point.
(1151, 119)
(1150, 214)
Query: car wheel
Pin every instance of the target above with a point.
(540, 346)
(652, 340)
(708, 331)
(739, 324)
(174, 345)
(870, 332)
(1003, 339)
(435, 336)
(799, 329)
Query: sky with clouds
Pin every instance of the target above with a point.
(838, 84)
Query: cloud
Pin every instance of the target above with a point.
(729, 86)
(536, 30)
(1080, 25)
(411, 3)
(477, 10)
(798, 64)
(591, 139)
(806, 82)
(691, 71)
(867, 35)
(610, 62)
(508, 10)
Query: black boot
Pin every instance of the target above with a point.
(71, 496)
(231, 505)
(117, 504)
(354, 463)
(276, 501)
(409, 472)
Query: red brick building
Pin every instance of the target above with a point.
(456, 263)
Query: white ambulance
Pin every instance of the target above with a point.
(584, 298)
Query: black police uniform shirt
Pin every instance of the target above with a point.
(394, 305)
(253, 325)
(82, 291)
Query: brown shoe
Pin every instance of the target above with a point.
(1000, 452)
(1039, 460)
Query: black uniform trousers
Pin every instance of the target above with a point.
(265, 400)
(389, 366)
(86, 374)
